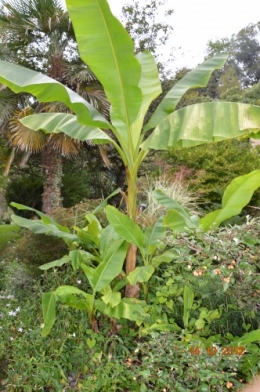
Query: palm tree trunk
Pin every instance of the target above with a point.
(52, 172)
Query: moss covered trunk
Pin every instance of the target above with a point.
(52, 172)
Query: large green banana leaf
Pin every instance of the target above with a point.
(151, 87)
(111, 266)
(108, 50)
(46, 225)
(66, 123)
(128, 308)
(199, 77)
(204, 123)
(236, 196)
(49, 311)
(125, 227)
(45, 89)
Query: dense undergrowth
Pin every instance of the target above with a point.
(209, 353)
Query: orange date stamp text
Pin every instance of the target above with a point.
(212, 350)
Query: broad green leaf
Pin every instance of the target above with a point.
(39, 227)
(166, 257)
(198, 77)
(128, 308)
(55, 263)
(236, 196)
(91, 343)
(93, 230)
(88, 271)
(249, 337)
(178, 222)
(200, 323)
(85, 237)
(112, 299)
(76, 302)
(92, 218)
(188, 298)
(66, 123)
(120, 283)
(45, 218)
(140, 274)
(69, 290)
(111, 266)
(107, 237)
(125, 227)
(80, 256)
(46, 89)
(49, 311)
(108, 50)
(254, 135)
(150, 86)
(204, 123)
(177, 218)
(170, 203)
(155, 234)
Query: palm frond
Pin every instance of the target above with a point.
(23, 138)
(64, 144)
(9, 162)
(8, 103)
(103, 153)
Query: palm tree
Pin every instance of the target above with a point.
(39, 35)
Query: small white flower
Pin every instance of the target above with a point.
(236, 240)
(11, 338)
(79, 281)
(74, 335)
(8, 305)
(20, 329)
(18, 309)
(12, 313)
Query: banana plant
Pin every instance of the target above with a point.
(131, 83)
(100, 253)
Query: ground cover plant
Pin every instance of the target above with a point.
(118, 263)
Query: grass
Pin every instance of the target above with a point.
(173, 188)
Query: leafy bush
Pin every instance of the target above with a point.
(34, 249)
(27, 189)
(209, 169)
(221, 269)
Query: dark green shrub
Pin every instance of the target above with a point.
(25, 189)
(35, 249)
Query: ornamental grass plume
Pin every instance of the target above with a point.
(172, 187)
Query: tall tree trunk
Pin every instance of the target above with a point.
(5, 211)
(52, 172)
